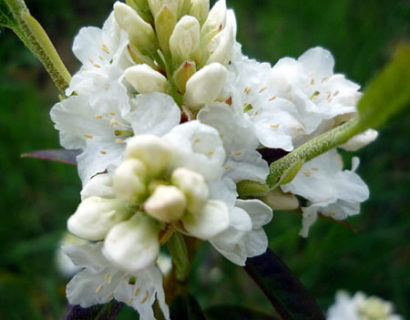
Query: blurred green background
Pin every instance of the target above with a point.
(37, 197)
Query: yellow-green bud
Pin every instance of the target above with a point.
(166, 204)
(185, 39)
(185, 71)
(165, 21)
(129, 181)
(141, 34)
(199, 9)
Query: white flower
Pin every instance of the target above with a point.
(245, 236)
(360, 307)
(100, 133)
(293, 101)
(102, 53)
(100, 281)
(240, 142)
(330, 191)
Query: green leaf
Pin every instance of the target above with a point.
(247, 188)
(285, 292)
(56, 155)
(108, 311)
(236, 313)
(187, 308)
(6, 16)
(389, 93)
(179, 253)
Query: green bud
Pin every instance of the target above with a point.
(165, 22)
(199, 9)
(181, 76)
(141, 6)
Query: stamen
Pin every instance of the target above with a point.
(307, 173)
(229, 101)
(312, 82)
(336, 93)
(105, 48)
(227, 167)
(314, 95)
(263, 89)
(101, 58)
(238, 153)
(137, 292)
(103, 152)
(274, 125)
(99, 289)
(272, 98)
(248, 90)
(90, 59)
(88, 136)
(98, 116)
(210, 153)
(124, 277)
(145, 297)
(119, 141)
(315, 169)
(112, 113)
(96, 65)
(114, 123)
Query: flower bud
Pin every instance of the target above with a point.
(221, 46)
(129, 181)
(166, 204)
(199, 9)
(360, 141)
(183, 7)
(193, 186)
(95, 216)
(164, 25)
(278, 200)
(140, 32)
(185, 39)
(141, 6)
(133, 244)
(185, 71)
(215, 21)
(100, 186)
(205, 85)
(153, 151)
(209, 222)
(144, 79)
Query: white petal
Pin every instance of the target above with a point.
(144, 79)
(153, 113)
(200, 149)
(361, 140)
(86, 255)
(259, 212)
(207, 223)
(318, 60)
(133, 244)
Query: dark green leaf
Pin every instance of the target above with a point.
(179, 253)
(106, 312)
(286, 293)
(389, 92)
(236, 313)
(57, 155)
(6, 16)
(187, 308)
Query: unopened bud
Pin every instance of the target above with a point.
(208, 222)
(199, 9)
(278, 200)
(141, 6)
(133, 244)
(185, 39)
(164, 25)
(100, 186)
(144, 79)
(181, 76)
(140, 32)
(221, 46)
(166, 204)
(215, 21)
(183, 7)
(193, 186)
(360, 141)
(205, 85)
(95, 216)
(153, 151)
(129, 181)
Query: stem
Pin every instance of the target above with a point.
(314, 148)
(32, 34)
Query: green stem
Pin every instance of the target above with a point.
(314, 148)
(31, 33)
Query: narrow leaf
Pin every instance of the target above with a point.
(389, 93)
(6, 16)
(285, 292)
(187, 308)
(236, 313)
(56, 155)
(109, 311)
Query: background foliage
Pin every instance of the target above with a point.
(37, 197)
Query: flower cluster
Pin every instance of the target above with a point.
(170, 116)
(360, 307)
